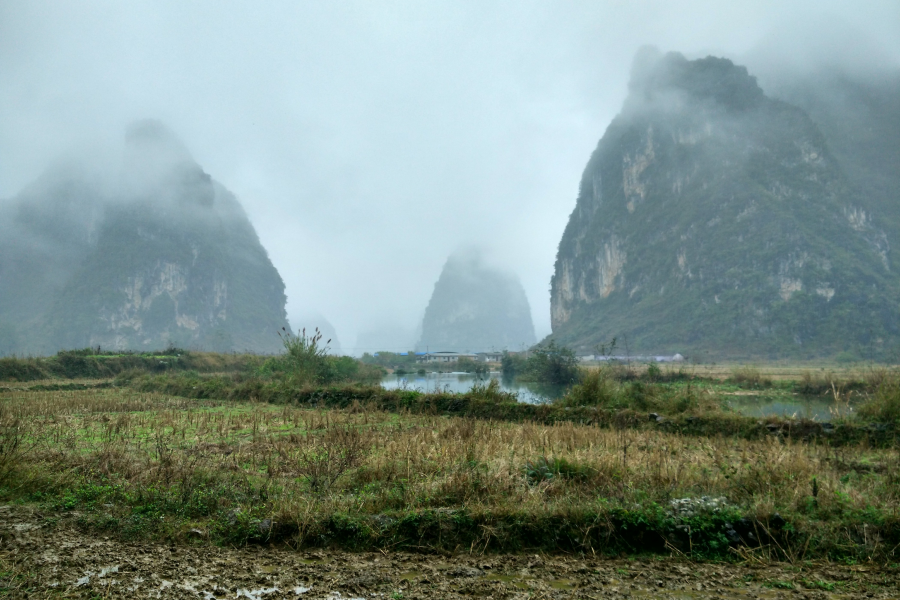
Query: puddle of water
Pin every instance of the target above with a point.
(529, 393)
(410, 575)
(268, 569)
(806, 407)
(810, 407)
(301, 590)
(562, 584)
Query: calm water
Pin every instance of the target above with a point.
(751, 405)
(807, 407)
(463, 382)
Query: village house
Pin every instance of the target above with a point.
(444, 357)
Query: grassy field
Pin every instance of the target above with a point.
(224, 458)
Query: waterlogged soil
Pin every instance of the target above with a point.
(52, 558)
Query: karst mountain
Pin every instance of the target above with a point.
(476, 307)
(149, 253)
(716, 221)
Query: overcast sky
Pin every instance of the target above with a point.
(369, 140)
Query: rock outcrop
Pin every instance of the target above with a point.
(158, 254)
(715, 221)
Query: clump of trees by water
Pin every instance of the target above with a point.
(552, 364)
(403, 363)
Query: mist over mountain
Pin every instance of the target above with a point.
(715, 220)
(150, 253)
(859, 116)
(476, 307)
(391, 338)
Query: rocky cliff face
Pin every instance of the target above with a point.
(159, 255)
(714, 220)
(859, 116)
(476, 308)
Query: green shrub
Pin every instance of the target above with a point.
(491, 392)
(23, 369)
(749, 377)
(552, 364)
(306, 362)
(884, 404)
(468, 365)
(597, 388)
(602, 388)
(512, 364)
(306, 358)
(544, 469)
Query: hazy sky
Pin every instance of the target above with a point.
(369, 140)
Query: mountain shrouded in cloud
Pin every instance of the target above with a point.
(714, 219)
(150, 254)
(476, 307)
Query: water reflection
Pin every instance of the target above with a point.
(808, 407)
(532, 393)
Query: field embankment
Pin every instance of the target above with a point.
(683, 405)
(92, 364)
(54, 558)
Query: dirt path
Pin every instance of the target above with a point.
(43, 560)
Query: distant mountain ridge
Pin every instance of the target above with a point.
(159, 254)
(716, 221)
(474, 308)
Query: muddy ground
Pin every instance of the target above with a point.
(44, 557)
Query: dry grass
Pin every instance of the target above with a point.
(140, 441)
(795, 371)
(25, 403)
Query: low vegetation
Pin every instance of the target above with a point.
(550, 364)
(146, 464)
(306, 362)
(392, 360)
(96, 363)
(301, 447)
(602, 388)
(884, 405)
